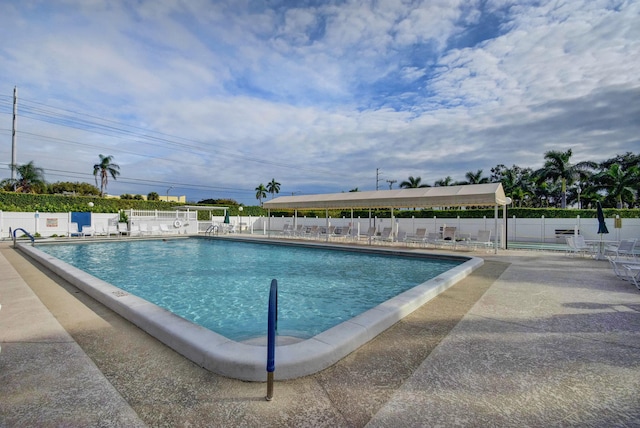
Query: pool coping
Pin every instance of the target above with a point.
(248, 362)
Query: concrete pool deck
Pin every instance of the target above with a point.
(528, 339)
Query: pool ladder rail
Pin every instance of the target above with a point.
(33, 240)
(272, 328)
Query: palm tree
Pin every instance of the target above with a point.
(413, 183)
(105, 168)
(447, 181)
(475, 177)
(30, 179)
(515, 182)
(557, 167)
(620, 184)
(261, 192)
(273, 187)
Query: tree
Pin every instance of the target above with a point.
(447, 181)
(261, 193)
(105, 168)
(475, 178)
(413, 183)
(273, 187)
(153, 196)
(558, 167)
(621, 185)
(30, 180)
(77, 188)
(515, 181)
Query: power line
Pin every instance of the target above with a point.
(98, 125)
(141, 181)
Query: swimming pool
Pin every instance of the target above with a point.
(223, 285)
(240, 360)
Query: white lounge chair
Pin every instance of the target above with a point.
(144, 229)
(633, 273)
(385, 235)
(370, 233)
(135, 230)
(341, 232)
(449, 237)
(164, 229)
(88, 231)
(433, 238)
(298, 231)
(419, 237)
(73, 229)
(287, 230)
(123, 229)
(449, 234)
(577, 245)
(623, 249)
(326, 232)
(101, 231)
(483, 239)
(311, 232)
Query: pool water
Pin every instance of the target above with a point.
(224, 285)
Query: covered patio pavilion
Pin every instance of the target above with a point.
(490, 194)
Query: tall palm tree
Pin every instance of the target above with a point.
(273, 187)
(475, 177)
(558, 167)
(515, 182)
(412, 183)
(620, 184)
(447, 181)
(105, 168)
(30, 179)
(261, 193)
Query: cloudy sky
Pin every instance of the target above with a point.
(213, 98)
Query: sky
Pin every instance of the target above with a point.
(209, 99)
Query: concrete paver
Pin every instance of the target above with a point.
(530, 339)
(46, 379)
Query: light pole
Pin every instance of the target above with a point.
(240, 209)
(578, 190)
(168, 190)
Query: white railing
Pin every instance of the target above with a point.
(541, 230)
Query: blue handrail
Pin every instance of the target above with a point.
(272, 328)
(25, 232)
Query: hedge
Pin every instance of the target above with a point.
(26, 202)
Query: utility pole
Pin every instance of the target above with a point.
(13, 134)
(391, 183)
(377, 177)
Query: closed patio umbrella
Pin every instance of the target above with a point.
(602, 226)
(226, 218)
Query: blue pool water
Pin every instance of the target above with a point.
(224, 285)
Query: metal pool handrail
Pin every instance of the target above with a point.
(272, 327)
(25, 232)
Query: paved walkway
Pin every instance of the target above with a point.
(529, 339)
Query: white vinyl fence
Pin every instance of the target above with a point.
(539, 230)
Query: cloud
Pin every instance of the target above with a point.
(224, 95)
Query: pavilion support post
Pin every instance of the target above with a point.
(496, 241)
(326, 215)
